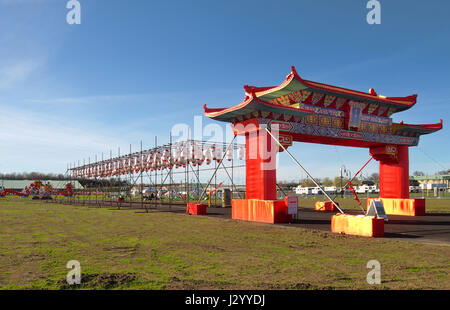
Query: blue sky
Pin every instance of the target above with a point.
(133, 69)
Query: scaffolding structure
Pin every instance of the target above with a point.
(170, 174)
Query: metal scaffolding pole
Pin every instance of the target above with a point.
(141, 188)
(107, 174)
(119, 185)
(215, 170)
(156, 175)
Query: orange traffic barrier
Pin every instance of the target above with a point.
(358, 225)
(196, 208)
(264, 211)
(400, 206)
(325, 206)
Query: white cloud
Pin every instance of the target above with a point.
(16, 73)
(36, 142)
(85, 99)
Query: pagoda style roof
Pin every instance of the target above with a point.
(296, 93)
(320, 113)
(415, 130)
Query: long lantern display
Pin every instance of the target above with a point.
(178, 155)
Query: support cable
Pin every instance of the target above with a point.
(306, 171)
(231, 179)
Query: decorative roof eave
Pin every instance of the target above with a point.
(250, 104)
(421, 129)
(401, 103)
(255, 100)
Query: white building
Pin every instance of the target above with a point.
(431, 186)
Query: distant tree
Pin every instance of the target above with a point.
(356, 182)
(287, 184)
(418, 173)
(367, 182)
(307, 183)
(337, 181)
(414, 183)
(32, 176)
(374, 177)
(327, 182)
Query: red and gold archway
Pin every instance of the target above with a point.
(307, 111)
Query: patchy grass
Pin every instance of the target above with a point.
(124, 249)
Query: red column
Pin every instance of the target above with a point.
(260, 166)
(394, 181)
(394, 176)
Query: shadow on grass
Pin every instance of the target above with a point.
(418, 222)
(99, 281)
(437, 214)
(312, 222)
(400, 236)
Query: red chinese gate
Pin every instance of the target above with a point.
(306, 111)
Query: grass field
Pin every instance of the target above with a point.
(126, 249)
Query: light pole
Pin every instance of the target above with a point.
(348, 174)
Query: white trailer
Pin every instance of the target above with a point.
(331, 189)
(299, 190)
(316, 191)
